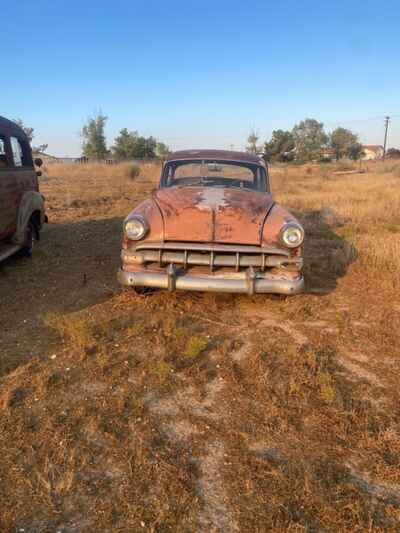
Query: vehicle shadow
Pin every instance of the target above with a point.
(327, 255)
(73, 267)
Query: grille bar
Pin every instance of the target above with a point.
(201, 247)
(210, 259)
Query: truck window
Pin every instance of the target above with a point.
(17, 152)
(3, 155)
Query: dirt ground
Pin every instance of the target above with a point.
(200, 412)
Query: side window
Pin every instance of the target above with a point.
(17, 152)
(3, 154)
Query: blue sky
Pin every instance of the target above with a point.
(200, 74)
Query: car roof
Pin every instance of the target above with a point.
(7, 127)
(228, 155)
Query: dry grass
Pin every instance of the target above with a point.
(201, 412)
(367, 206)
(94, 186)
(77, 330)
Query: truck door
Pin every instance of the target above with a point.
(25, 172)
(8, 190)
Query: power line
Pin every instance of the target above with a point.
(371, 119)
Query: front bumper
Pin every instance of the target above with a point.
(248, 282)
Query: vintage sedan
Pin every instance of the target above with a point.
(213, 225)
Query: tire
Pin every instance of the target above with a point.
(30, 232)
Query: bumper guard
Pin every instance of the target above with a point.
(248, 283)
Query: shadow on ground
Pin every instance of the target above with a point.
(73, 267)
(327, 255)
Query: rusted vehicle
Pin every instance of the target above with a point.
(22, 211)
(213, 225)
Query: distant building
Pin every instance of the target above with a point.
(372, 151)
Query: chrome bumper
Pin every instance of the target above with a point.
(248, 282)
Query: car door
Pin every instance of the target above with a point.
(9, 193)
(26, 178)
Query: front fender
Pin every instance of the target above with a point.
(150, 211)
(277, 217)
(31, 202)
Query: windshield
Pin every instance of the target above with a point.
(213, 173)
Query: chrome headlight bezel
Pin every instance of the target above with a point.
(139, 222)
(283, 234)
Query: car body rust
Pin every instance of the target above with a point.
(218, 222)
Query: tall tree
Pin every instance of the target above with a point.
(252, 141)
(125, 144)
(280, 147)
(130, 145)
(355, 151)
(145, 148)
(93, 137)
(342, 141)
(162, 150)
(309, 138)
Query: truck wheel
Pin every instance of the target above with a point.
(30, 232)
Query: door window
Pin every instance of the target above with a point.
(18, 155)
(3, 155)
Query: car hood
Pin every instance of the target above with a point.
(213, 214)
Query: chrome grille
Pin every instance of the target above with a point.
(209, 255)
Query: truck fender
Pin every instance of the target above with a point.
(31, 202)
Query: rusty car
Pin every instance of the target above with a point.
(22, 207)
(213, 225)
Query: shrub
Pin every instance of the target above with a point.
(345, 164)
(76, 329)
(134, 171)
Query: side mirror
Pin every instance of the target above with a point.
(38, 162)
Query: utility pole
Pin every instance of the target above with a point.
(387, 120)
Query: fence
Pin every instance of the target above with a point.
(87, 160)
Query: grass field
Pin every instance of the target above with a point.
(201, 412)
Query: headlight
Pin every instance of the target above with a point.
(291, 235)
(135, 228)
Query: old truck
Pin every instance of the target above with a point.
(213, 225)
(22, 207)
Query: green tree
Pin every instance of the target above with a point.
(280, 147)
(162, 150)
(93, 136)
(355, 151)
(343, 141)
(309, 138)
(125, 144)
(145, 148)
(129, 145)
(252, 141)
